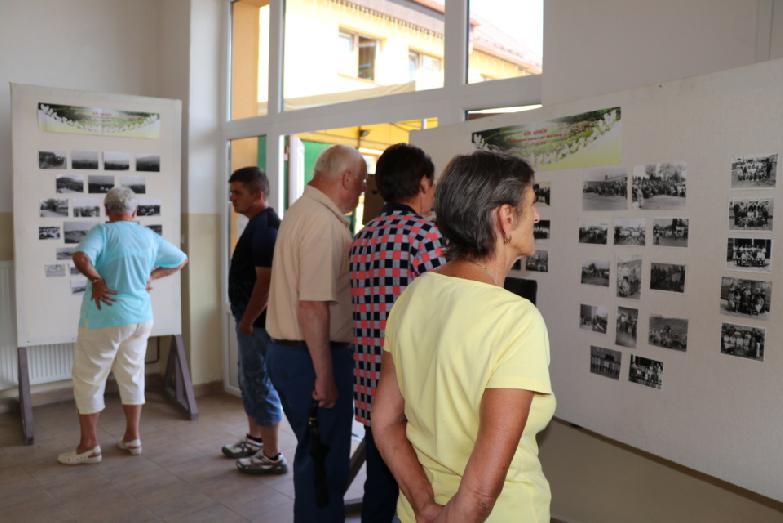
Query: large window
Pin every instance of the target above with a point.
(338, 50)
(249, 58)
(505, 39)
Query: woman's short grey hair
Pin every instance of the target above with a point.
(120, 200)
(472, 186)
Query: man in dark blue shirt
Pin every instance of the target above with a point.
(248, 293)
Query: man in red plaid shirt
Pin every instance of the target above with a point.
(389, 252)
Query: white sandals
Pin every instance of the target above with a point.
(132, 447)
(88, 457)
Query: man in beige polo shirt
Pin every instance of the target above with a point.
(309, 319)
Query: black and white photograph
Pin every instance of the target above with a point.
(65, 253)
(86, 208)
(645, 371)
(99, 183)
(54, 208)
(539, 262)
(659, 186)
(625, 329)
(595, 272)
(76, 231)
(629, 278)
(116, 161)
(669, 333)
(74, 271)
(605, 190)
(78, 285)
(540, 229)
(754, 172)
(543, 190)
(751, 215)
(149, 163)
(134, 183)
(52, 160)
(629, 231)
(742, 341)
(593, 317)
(70, 183)
(150, 209)
(749, 254)
(605, 362)
(670, 232)
(749, 298)
(667, 277)
(159, 230)
(84, 159)
(593, 232)
(56, 270)
(49, 233)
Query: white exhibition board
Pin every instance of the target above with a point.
(69, 147)
(716, 413)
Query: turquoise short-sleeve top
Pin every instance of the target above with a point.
(124, 253)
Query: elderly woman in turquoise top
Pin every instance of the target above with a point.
(120, 259)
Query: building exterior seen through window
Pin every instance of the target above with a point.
(344, 50)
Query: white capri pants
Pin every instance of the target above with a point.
(98, 351)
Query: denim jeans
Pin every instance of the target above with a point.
(380, 489)
(291, 369)
(259, 396)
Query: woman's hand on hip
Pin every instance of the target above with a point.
(102, 294)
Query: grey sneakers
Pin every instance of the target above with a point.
(260, 464)
(243, 448)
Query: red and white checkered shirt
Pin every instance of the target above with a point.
(387, 254)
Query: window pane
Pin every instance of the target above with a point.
(249, 58)
(505, 39)
(337, 51)
(371, 140)
(367, 48)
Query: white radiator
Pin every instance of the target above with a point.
(47, 362)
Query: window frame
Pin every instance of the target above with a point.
(448, 104)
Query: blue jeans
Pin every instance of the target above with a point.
(291, 369)
(380, 489)
(259, 396)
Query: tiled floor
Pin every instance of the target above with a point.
(181, 476)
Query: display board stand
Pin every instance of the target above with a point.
(177, 386)
(176, 383)
(25, 401)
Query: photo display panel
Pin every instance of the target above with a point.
(663, 274)
(69, 149)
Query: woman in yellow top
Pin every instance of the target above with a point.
(465, 385)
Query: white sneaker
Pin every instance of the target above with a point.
(132, 447)
(243, 448)
(87, 457)
(260, 464)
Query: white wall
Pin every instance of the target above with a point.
(204, 183)
(603, 46)
(98, 45)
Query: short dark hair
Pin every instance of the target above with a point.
(399, 171)
(253, 178)
(471, 187)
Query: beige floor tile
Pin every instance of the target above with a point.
(175, 500)
(210, 514)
